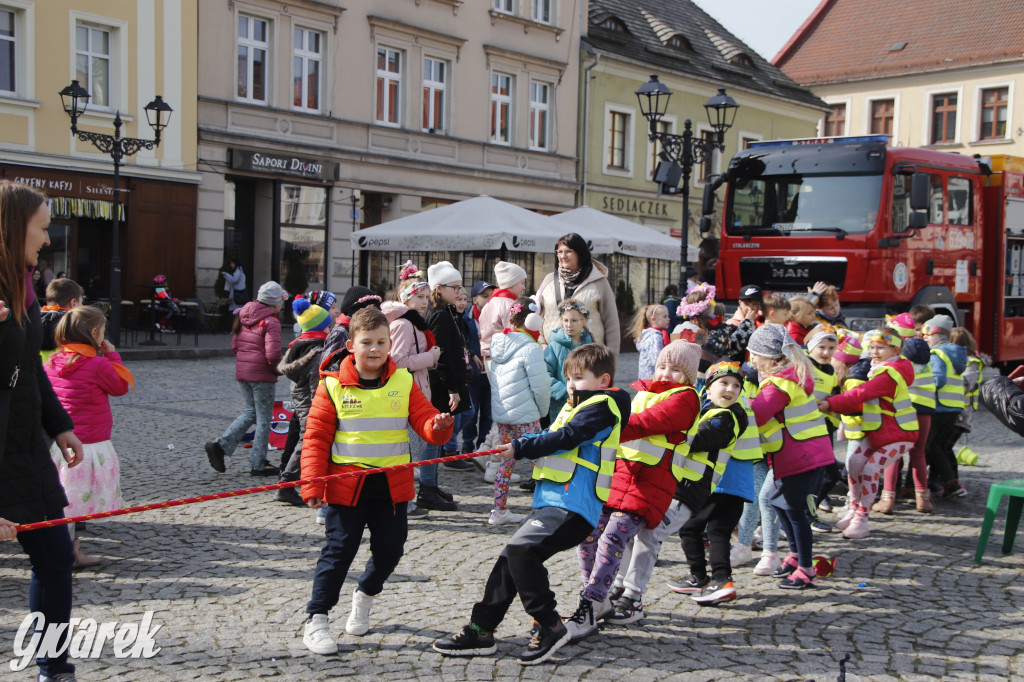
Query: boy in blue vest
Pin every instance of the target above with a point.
(358, 421)
(566, 508)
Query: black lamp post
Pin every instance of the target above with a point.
(679, 153)
(75, 99)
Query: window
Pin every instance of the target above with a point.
(742, 60)
(679, 42)
(306, 73)
(835, 120)
(993, 113)
(542, 11)
(8, 50)
(435, 83)
(503, 6)
(944, 118)
(882, 116)
(617, 152)
(389, 86)
(253, 44)
(92, 62)
(613, 24)
(303, 244)
(540, 115)
(501, 108)
(746, 141)
(958, 210)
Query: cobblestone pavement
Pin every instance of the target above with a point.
(228, 580)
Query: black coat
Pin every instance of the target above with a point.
(30, 489)
(1005, 400)
(452, 374)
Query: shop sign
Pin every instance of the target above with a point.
(637, 207)
(55, 184)
(284, 164)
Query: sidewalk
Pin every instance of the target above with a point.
(185, 346)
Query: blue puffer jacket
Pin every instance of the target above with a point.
(559, 347)
(958, 356)
(520, 386)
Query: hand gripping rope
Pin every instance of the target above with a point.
(244, 491)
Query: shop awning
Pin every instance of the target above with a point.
(479, 224)
(624, 236)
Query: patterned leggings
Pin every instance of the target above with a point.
(601, 553)
(506, 434)
(865, 465)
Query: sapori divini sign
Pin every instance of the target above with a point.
(284, 164)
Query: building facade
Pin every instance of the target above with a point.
(317, 119)
(943, 85)
(123, 53)
(694, 55)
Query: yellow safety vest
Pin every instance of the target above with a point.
(560, 468)
(922, 391)
(371, 428)
(972, 396)
(801, 417)
(950, 394)
(718, 466)
(747, 445)
(852, 422)
(651, 449)
(824, 386)
(904, 414)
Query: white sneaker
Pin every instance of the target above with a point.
(768, 564)
(359, 621)
(317, 636)
(503, 517)
(492, 471)
(740, 554)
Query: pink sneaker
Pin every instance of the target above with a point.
(801, 579)
(842, 523)
(858, 528)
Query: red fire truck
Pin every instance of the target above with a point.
(890, 227)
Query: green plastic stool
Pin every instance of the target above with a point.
(1014, 489)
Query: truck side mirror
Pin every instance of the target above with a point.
(707, 204)
(920, 189)
(705, 225)
(918, 220)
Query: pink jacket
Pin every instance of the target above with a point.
(257, 347)
(82, 389)
(883, 387)
(493, 318)
(796, 456)
(409, 346)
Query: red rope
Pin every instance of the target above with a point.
(245, 491)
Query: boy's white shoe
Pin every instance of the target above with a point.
(504, 517)
(359, 621)
(317, 636)
(492, 471)
(740, 554)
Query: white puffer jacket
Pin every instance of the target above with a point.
(520, 385)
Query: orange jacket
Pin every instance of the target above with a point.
(322, 423)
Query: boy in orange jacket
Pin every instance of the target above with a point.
(358, 420)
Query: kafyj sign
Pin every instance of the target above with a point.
(284, 164)
(61, 184)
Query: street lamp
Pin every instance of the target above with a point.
(75, 99)
(679, 153)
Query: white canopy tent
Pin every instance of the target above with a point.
(627, 237)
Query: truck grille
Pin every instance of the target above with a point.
(793, 273)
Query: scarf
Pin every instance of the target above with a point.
(572, 280)
(52, 308)
(88, 351)
(534, 335)
(503, 293)
(476, 313)
(308, 335)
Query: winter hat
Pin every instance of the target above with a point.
(508, 274)
(324, 299)
(480, 287)
(903, 324)
(884, 336)
(357, 298)
(940, 324)
(849, 349)
(720, 370)
(442, 273)
(751, 292)
(271, 294)
(916, 350)
(823, 332)
(311, 317)
(683, 354)
(768, 340)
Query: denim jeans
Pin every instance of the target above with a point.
(49, 591)
(458, 420)
(428, 473)
(480, 395)
(752, 510)
(258, 397)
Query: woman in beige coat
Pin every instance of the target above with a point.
(580, 277)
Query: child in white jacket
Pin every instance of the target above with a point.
(520, 392)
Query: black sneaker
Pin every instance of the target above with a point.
(265, 470)
(445, 495)
(825, 505)
(215, 453)
(615, 594)
(544, 642)
(430, 498)
(718, 592)
(820, 527)
(528, 485)
(626, 611)
(469, 642)
(459, 464)
(688, 585)
(581, 623)
(291, 496)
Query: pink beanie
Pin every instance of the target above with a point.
(683, 354)
(849, 349)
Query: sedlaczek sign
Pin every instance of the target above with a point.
(284, 164)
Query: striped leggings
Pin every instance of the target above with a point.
(865, 466)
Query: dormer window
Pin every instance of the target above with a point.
(742, 60)
(613, 24)
(679, 42)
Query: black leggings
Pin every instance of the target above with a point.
(720, 514)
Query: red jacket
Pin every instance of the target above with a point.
(83, 388)
(257, 347)
(797, 331)
(647, 490)
(322, 423)
(883, 387)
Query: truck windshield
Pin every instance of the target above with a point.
(786, 204)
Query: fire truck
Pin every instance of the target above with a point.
(889, 227)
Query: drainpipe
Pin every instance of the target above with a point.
(586, 125)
